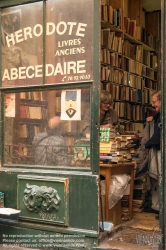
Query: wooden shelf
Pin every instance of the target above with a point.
(33, 103)
(33, 122)
(106, 25)
(133, 40)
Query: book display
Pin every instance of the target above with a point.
(130, 71)
(33, 116)
(129, 60)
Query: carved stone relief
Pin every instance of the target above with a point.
(41, 198)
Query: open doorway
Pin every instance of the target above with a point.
(133, 72)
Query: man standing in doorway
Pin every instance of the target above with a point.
(153, 145)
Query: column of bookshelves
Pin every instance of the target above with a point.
(128, 64)
(139, 62)
(31, 113)
(112, 50)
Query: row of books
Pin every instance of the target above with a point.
(33, 112)
(150, 59)
(136, 52)
(113, 59)
(111, 41)
(118, 149)
(146, 72)
(35, 95)
(121, 93)
(148, 83)
(29, 131)
(134, 126)
(132, 80)
(126, 78)
(139, 33)
(116, 75)
(133, 66)
(124, 93)
(130, 112)
(110, 74)
(113, 16)
(130, 28)
(131, 75)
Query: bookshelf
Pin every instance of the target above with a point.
(31, 119)
(129, 59)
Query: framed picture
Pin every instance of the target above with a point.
(10, 105)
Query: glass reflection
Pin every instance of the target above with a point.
(45, 128)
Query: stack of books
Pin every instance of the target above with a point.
(139, 196)
(119, 149)
(125, 207)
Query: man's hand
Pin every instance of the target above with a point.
(149, 118)
(106, 126)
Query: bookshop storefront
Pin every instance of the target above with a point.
(49, 170)
(56, 56)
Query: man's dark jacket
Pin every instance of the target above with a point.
(154, 141)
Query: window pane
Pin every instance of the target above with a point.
(22, 34)
(67, 45)
(69, 48)
(46, 128)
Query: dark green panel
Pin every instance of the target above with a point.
(44, 199)
(84, 202)
(163, 121)
(83, 194)
(8, 185)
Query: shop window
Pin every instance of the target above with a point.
(47, 128)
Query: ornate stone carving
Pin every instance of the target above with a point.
(41, 198)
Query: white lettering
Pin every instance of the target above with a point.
(38, 72)
(48, 28)
(58, 69)
(51, 71)
(30, 68)
(6, 75)
(27, 32)
(71, 67)
(10, 39)
(70, 51)
(71, 24)
(40, 30)
(61, 28)
(14, 73)
(79, 29)
(64, 28)
(19, 37)
(64, 68)
(22, 73)
(81, 64)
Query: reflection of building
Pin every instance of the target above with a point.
(11, 22)
(10, 105)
